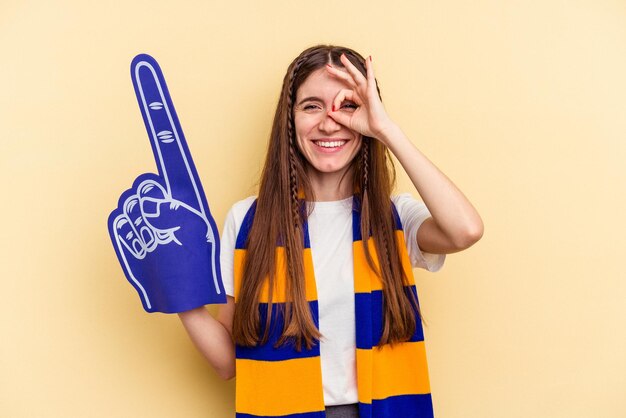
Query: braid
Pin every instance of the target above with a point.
(293, 171)
(294, 187)
(365, 163)
(366, 221)
(296, 316)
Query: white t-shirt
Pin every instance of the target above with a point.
(330, 234)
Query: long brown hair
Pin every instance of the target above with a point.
(279, 218)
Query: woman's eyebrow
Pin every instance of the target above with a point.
(310, 99)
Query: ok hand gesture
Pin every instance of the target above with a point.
(370, 118)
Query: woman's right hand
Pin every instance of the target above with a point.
(213, 337)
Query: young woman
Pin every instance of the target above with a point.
(322, 316)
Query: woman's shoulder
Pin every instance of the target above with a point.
(408, 207)
(404, 200)
(235, 218)
(239, 209)
(244, 204)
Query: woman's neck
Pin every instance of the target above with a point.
(330, 186)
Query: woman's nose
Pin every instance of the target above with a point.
(328, 124)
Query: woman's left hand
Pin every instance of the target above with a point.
(369, 118)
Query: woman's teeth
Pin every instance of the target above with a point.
(332, 144)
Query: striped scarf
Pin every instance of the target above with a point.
(281, 382)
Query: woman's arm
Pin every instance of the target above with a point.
(455, 224)
(212, 337)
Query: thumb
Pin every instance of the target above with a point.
(341, 118)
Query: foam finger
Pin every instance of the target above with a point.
(148, 236)
(128, 247)
(131, 210)
(126, 236)
(169, 146)
(149, 192)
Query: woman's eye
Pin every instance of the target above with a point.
(349, 106)
(310, 107)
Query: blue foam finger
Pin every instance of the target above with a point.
(170, 149)
(162, 231)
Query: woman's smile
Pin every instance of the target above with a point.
(328, 146)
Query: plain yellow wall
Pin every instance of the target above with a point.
(521, 104)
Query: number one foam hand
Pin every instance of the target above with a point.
(162, 230)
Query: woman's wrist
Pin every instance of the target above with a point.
(389, 133)
(192, 314)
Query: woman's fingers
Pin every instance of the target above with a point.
(343, 95)
(371, 80)
(341, 118)
(353, 76)
(344, 118)
(345, 111)
(363, 94)
(342, 75)
(354, 72)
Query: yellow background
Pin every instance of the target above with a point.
(521, 103)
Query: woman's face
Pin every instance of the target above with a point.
(328, 146)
